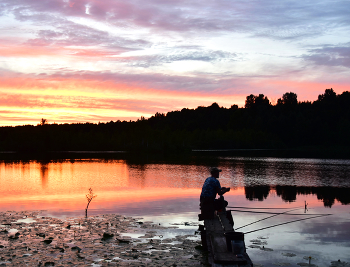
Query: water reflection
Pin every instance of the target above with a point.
(257, 192)
(286, 171)
(330, 231)
(260, 177)
(170, 190)
(44, 173)
(327, 194)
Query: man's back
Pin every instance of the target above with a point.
(210, 188)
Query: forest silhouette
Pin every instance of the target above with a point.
(289, 124)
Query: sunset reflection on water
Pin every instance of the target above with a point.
(63, 185)
(122, 186)
(168, 193)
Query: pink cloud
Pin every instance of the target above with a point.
(44, 49)
(306, 90)
(24, 51)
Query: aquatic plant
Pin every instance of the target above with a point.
(90, 196)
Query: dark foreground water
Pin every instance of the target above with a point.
(167, 192)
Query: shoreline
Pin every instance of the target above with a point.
(29, 239)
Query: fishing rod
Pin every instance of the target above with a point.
(277, 213)
(261, 208)
(267, 218)
(222, 225)
(286, 223)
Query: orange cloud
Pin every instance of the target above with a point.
(103, 96)
(105, 99)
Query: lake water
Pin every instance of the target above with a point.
(167, 192)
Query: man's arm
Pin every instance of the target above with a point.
(222, 191)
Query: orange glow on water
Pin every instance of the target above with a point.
(120, 185)
(63, 185)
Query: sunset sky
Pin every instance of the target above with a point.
(100, 60)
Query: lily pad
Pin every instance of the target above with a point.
(287, 254)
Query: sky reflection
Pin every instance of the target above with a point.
(63, 184)
(169, 192)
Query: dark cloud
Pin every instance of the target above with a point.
(330, 55)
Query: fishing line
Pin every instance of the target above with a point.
(261, 208)
(265, 212)
(266, 218)
(286, 223)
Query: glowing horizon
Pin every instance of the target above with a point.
(72, 61)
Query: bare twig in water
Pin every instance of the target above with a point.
(90, 196)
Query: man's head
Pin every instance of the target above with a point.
(215, 172)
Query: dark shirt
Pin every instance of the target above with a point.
(209, 188)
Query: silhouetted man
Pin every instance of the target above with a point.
(210, 188)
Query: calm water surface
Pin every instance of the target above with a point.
(168, 192)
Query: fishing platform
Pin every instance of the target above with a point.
(225, 246)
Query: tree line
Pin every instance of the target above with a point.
(258, 125)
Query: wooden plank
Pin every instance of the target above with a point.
(219, 256)
(213, 225)
(220, 253)
(225, 222)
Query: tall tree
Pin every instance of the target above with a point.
(328, 96)
(289, 99)
(253, 101)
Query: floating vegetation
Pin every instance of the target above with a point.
(266, 249)
(258, 242)
(94, 241)
(262, 237)
(260, 247)
(254, 246)
(309, 258)
(282, 264)
(339, 263)
(287, 254)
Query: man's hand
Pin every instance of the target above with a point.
(224, 190)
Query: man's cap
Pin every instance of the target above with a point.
(214, 169)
